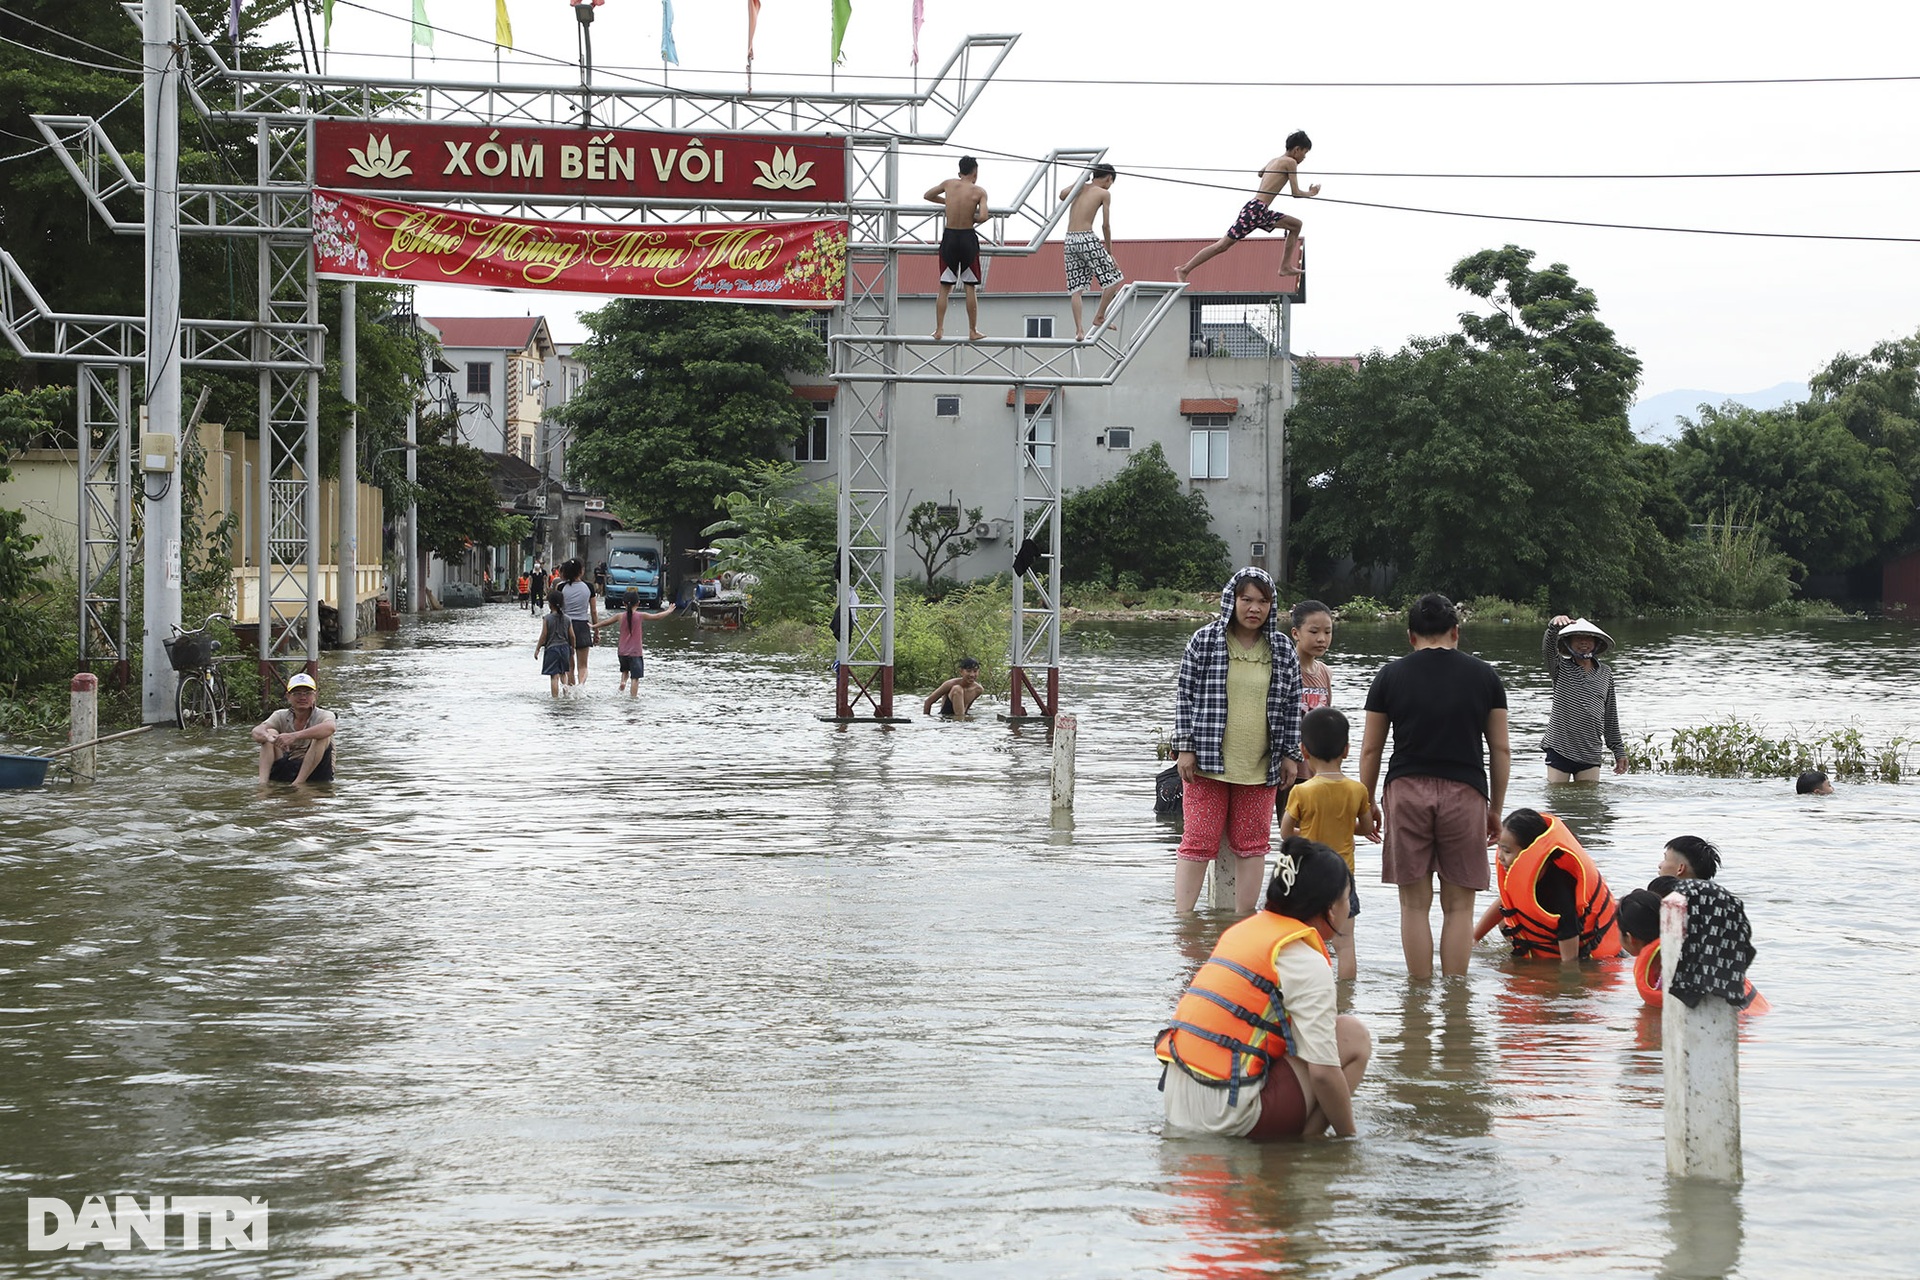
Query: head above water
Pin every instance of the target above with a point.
(1689, 858)
(968, 666)
(1324, 734)
(1518, 830)
(1640, 916)
(1308, 878)
(968, 166)
(1813, 783)
(1432, 615)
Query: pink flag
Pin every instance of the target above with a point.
(919, 16)
(753, 20)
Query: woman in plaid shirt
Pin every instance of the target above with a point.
(1236, 735)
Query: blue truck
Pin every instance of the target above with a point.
(635, 560)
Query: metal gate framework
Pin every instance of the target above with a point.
(284, 344)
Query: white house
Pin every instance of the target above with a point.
(499, 383)
(1208, 391)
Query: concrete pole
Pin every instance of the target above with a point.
(413, 510)
(347, 559)
(1702, 1064)
(161, 515)
(1222, 877)
(1066, 736)
(1284, 536)
(83, 725)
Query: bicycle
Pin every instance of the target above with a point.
(200, 701)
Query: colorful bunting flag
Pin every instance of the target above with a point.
(842, 10)
(753, 20)
(919, 16)
(422, 30)
(233, 21)
(502, 25)
(667, 52)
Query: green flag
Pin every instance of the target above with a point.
(422, 33)
(326, 24)
(842, 10)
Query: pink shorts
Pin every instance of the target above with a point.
(1243, 813)
(1434, 826)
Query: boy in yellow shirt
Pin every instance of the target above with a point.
(1331, 808)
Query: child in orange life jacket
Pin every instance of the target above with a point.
(1255, 1048)
(1553, 900)
(1331, 808)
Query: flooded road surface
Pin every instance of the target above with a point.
(696, 985)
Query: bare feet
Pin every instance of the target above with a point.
(936, 335)
(1082, 335)
(1180, 274)
(974, 335)
(1100, 322)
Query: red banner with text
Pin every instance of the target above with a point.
(793, 264)
(370, 155)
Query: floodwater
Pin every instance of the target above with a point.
(697, 985)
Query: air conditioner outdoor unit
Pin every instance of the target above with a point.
(984, 530)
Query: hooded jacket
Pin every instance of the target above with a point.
(1200, 701)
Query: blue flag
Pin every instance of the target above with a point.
(667, 52)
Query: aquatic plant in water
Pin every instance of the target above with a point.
(1733, 747)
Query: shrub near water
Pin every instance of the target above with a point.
(930, 637)
(1732, 748)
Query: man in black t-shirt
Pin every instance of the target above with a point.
(1442, 799)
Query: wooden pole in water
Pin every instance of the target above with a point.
(1702, 1066)
(83, 725)
(1066, 735)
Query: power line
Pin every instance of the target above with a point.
(1544, 177)
(21, 17)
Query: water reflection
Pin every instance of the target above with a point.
(1707, 1227)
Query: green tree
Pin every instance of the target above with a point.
(28, 632)
(781, 532)
(459, 507)
(1553, 318)
(936, 536)
(683, 397)
(1828, 500)
(1145, 523)
(1876, 397)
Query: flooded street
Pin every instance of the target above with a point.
(695, 984)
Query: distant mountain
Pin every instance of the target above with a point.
(1653, 418)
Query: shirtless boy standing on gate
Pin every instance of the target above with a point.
(1089, 256)
(1257, 214)
(966, 204)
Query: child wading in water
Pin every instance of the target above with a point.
(633, 654)
(1312, 637)
(1331, 808)
(555, 645)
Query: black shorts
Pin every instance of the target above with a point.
(1566, 765)
(960, 257)
(287, 768)
(633, 664)
(582, 634)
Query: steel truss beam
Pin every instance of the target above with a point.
(105, 546)
(1038, 432)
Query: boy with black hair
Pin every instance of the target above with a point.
(1257, 214)
(1689, 858)
(1813, 783)
(966, 207)
(959, 693)
(1330, 807)
(1089, 257)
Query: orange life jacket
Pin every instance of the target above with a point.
(1647, 976)
(1531, 927)
(1227, 1022)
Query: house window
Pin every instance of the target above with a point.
(479, 379)
(1119, 437)
(1259, 551)
(1210, 420)
(1040, 439)
(946, 406)
(1209, 451)
(1039, 326)
(812, 444)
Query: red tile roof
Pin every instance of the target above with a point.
(829, 392)
(503, 333)
(1036, 396)
(1226, 405)
(1252, 266)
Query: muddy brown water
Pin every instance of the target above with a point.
(695, 984)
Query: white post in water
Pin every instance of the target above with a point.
(83, 725)
(1066, 735)
(1702, 1063)
(1225, 865)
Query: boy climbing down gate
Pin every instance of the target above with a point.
(1257, 214)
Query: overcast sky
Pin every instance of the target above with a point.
(1717, 312)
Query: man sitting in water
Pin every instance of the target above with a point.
(287, 737)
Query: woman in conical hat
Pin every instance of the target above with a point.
(1584, 726)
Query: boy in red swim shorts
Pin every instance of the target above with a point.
(1257, 214)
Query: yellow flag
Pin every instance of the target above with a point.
(502, 25)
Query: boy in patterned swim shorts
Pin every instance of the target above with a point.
(1257, 214)
(1089, 256)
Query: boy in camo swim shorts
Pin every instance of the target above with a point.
(1258, 214)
